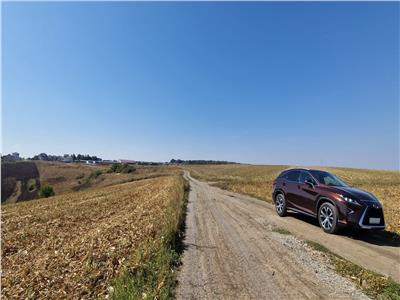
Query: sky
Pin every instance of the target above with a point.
(303, 83)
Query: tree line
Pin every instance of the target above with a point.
(70, 157)
(200, 162)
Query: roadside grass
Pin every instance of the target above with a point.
(151, 272)
(375, 285)
(281, 230)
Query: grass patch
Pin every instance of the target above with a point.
(80, 176)
(93, 175)
(150, 274)
(281, 230)
(319, 247)
(375, 285)
(121, 168)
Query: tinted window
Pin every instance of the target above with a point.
(304, 176)
(283, 174)
(292, 175)
(327, 178)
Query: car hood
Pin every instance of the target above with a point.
(354, 193)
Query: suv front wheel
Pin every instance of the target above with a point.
(328, 217)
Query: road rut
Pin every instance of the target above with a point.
(232, 251)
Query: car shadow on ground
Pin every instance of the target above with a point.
(379, 238)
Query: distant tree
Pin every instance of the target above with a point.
(44, 156)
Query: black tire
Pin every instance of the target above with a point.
(280, 204)
(328, 217)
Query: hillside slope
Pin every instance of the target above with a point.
(21, 181)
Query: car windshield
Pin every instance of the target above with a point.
(327, 178)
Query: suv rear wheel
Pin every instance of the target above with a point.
(280, 204)
(327, 217)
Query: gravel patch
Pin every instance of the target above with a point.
(319, 264)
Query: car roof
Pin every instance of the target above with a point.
(295, 169)
(301, 169)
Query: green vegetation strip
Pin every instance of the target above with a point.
(375, 285)
(281, 230)
(151, 273)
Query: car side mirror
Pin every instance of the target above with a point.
(310, 183)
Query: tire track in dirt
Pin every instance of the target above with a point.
(232, 253)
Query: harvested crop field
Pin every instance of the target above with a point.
(74, 245)
(257, 181)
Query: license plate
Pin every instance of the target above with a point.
(374, 220)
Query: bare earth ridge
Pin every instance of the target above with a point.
(232, 251)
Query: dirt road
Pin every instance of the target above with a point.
(232, 251)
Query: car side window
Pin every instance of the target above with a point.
(304, 176)
(293, 176)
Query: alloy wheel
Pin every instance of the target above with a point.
(280, 203)
(326, 217)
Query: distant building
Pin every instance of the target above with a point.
(67, 158)
(126, 161)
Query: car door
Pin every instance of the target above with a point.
(306, 193)
(291, 182)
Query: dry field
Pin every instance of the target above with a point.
(257, 181)
(74, 245)
(66, 178)
(63, 177)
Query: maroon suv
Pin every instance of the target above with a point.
(322, 195)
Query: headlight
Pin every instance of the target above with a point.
(348, 199)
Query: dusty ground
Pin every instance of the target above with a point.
(233, 252)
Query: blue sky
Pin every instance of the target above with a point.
(269, 83)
